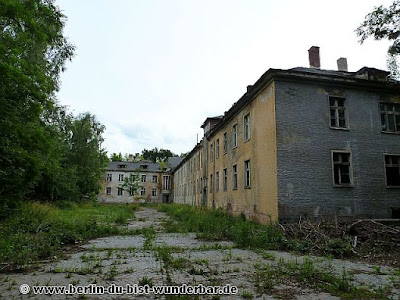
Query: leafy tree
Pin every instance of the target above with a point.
(33, 52)
(116, 157)
(156, 155)
(132, 183)
(384, 23)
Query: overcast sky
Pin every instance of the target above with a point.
(153, 70)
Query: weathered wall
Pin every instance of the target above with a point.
(305, 141)
(260, 200)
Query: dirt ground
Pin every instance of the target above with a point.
(161, 259)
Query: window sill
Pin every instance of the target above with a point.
(245, 141)
(233, 148)
(247, 187)
(340, 128)
(393, 186)
(390, 132)
(234, 189)
(343, 186)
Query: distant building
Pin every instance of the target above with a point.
(302, 142)
(155, 182)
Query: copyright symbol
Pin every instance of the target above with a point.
(24, 289)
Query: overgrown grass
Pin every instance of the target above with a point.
(219, 225)
(36, 230)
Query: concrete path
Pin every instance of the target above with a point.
(164, 259)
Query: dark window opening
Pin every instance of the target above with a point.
(392, 166)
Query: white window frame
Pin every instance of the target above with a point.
(142, 191)
(120, 191)
(217, 148)
(144, 178)
(154, 192)
(120, 177)
(247, 174)
(385, 117)
(155, 179)
(246, 127)
(234, 136)
(109, 177)
(336, 109)
(108, 191)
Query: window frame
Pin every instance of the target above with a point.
(120, 176)
(386, 117)
(143, 176)
(211, 152)
(225, 142)
(225, 180)
(234, 177)
(154, 192)
(142, 191)
(217, 181)
(211, 184)
(108, 191)
(217, 148)
(156, 179)
(384, 165)
(120, 191)
(351, 177)
(246, 131)
(247, 174)
(109, 177)
(345, 108)
(234, 136)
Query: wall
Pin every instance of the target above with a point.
(305, 141)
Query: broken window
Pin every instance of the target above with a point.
(225, 182)
(108, 191)
(247, 174)
(109, 177)
(342, 169)
(119, 191)
(390, 117)
(234, 136)
(225, 142)
(155, 178)
(392, 166)
(337, 112)
(154, 192)
(217, 149)
(246, 127)
(143, 178)
(121, 177)
(217, 181)
(234, 177)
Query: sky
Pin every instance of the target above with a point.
(153, 70)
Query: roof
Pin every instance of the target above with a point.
(366, 78)
(143, 166)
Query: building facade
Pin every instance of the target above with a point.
(154, 180)
(302, 142)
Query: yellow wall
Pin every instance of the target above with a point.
(260, 200)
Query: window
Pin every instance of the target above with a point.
(143, 166)
(211, 183)
(217, 149)
(337, 112)
(154, 192)
(211, 152)
(341, 165)
(225, 142)
(121, 177)
(225, 182)
(131, 191)
(166, 182)
(234, 136)
(109, 177)
(122, 166)
(217, 181)
(234, 177)
(108, 191)
(119, 191)
(392, 168)
(246, 127)
(142, 191)
(155, 178)
(143, 178)
(247, 174)
(390, 117)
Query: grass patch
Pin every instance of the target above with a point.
(219, 225)
(37, 230)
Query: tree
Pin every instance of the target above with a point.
(116, 157)
(384, 23)
(132, 183)
(33, 52)
(157, 155)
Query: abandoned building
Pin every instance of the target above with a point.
(154, 180)
(301, 142)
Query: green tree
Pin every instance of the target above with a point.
(33, 52)
(156, 155)
(384, 23)
(116, 157)
(132, 183)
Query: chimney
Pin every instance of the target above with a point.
(130, 157)
(249, 87)
(342, 64)
(313, 55)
